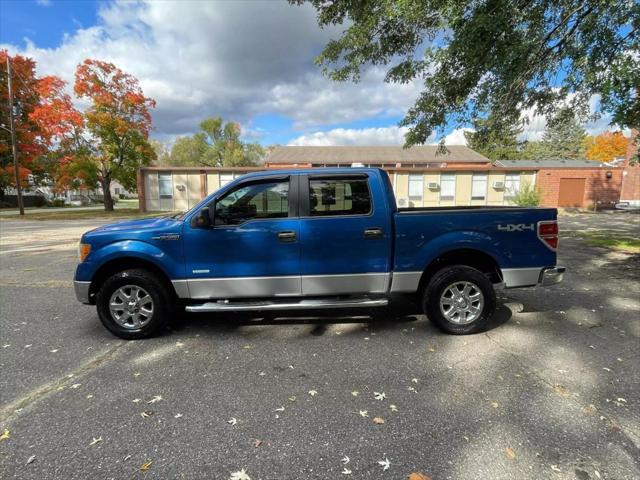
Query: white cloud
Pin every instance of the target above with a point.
(234, 59)
(393, 135)
(44, 3)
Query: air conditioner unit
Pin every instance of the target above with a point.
(357, 165)
(498, 185)
(403, 202)
(433, 186)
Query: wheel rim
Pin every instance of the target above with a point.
(131, 307)
(462, 302)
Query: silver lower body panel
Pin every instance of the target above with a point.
(303, 304)
(82, 291)
(531, 277)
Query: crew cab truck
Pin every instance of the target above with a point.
(313, 239)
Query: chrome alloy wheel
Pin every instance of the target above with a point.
(462, 302)
(131, 306)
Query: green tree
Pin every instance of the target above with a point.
(217, 144)
(495, 140)
(564, 137)
(500, 56)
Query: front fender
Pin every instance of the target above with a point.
(172, 267)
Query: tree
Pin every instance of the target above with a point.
(606, 146)
(499, 56)
(217, 144)
(564, 137)
(48, 127)
(119, 120)
(496, 141)
(26, 98)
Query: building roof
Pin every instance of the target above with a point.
(549, 164)
(372, 155)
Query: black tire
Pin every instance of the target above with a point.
(161, 295)
(441, 281)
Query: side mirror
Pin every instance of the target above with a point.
(202, 219)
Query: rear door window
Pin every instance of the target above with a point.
(339, 196)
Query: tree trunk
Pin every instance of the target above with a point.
(106, 193)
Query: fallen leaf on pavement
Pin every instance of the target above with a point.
(313, 393)
(232, 421)
(95, 440)
(355, 393)
(177, 415)
(560, 390)
(379, 396)
(31, 459)
(146, 413)
(145, 466)
(257, 443)
(510, 452)
(346, 471)
(364, 413)
(155, 399)
(418, 476)
(292, 398)
(4, 435)
(495, 404)
(280, 409)
(75, 385)
(240, 475)
(378, 420)
(393, 408)
(385, 464)
(414, 380)
(345, 460)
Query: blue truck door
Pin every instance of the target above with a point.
(345, 235)
(253, 249)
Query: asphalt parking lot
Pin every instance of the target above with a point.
(550, 391)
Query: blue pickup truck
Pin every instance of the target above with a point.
(313, 239)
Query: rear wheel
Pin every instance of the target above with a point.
(459, 300)
(134, 304)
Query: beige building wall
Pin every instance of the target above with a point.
(463, 188)
(213, 182)
(495, 196)
(430, 197)
(402, 186)
(193, 188)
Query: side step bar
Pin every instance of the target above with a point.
(239, 306)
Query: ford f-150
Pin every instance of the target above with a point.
(313, 239)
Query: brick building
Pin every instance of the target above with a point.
(421, 176)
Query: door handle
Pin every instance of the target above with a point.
(372, 233)
(287, 236)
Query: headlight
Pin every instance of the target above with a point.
(83, 251)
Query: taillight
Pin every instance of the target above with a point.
(548, 233)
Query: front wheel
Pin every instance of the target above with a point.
(134, 304)
(459, 300)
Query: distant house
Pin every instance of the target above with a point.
(421, 176)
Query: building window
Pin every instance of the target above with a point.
(511, 184)
(337, 196)
(416, 186)
(447, 186)
(225, 178)
(116, 191)
(479, 186)
(165, 184)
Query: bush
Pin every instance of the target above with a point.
(527, 196)
(58, 202)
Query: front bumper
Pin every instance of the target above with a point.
(551, 276)
(82, 291)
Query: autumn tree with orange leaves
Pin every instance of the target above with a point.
(119, 121)
(606, 146)
(49, 130)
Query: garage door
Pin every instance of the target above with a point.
(571, 192)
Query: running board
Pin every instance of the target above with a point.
(226, 306)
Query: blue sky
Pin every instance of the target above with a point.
(246, 61)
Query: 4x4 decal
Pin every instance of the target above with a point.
(516, 227)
